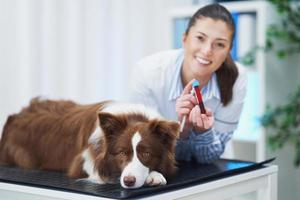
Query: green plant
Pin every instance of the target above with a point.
(284, 121)
(287, 31)
(283, 38)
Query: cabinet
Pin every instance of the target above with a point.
(252, 19)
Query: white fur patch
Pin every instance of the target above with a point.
(95, 137)
(155, 178)
(124, 108)
(88, 167)
(135, 168)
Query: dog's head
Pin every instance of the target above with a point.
(135, 146)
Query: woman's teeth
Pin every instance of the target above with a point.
(202, 61)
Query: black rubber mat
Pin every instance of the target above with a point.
(189, 174)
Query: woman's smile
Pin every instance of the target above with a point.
(203, 61)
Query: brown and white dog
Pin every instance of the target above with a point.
(102, 142)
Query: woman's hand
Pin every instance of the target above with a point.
(201, 122)
(184, 104)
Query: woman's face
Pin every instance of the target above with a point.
(206, 46)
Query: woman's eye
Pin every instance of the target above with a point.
(200, 38)
(220, 45)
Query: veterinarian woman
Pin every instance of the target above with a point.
(164, 81)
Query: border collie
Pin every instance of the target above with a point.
(104, 142)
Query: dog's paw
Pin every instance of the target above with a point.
(155, 178)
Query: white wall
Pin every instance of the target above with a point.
(74, 49)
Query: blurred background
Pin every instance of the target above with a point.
(84, 50)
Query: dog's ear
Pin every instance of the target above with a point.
(111, 124)
(167, 130)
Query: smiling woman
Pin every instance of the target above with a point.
(164, 81)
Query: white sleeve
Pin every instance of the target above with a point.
(139, 91)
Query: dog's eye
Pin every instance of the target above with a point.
(123, 153)
(146, 154)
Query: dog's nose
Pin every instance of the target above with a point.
(129, 181)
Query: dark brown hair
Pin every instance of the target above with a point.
(228, 72)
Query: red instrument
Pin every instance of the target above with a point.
(199, 96)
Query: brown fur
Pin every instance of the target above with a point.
(41, 134)
(51, 135)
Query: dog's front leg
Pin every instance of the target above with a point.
(155, 178)
(75, 169)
